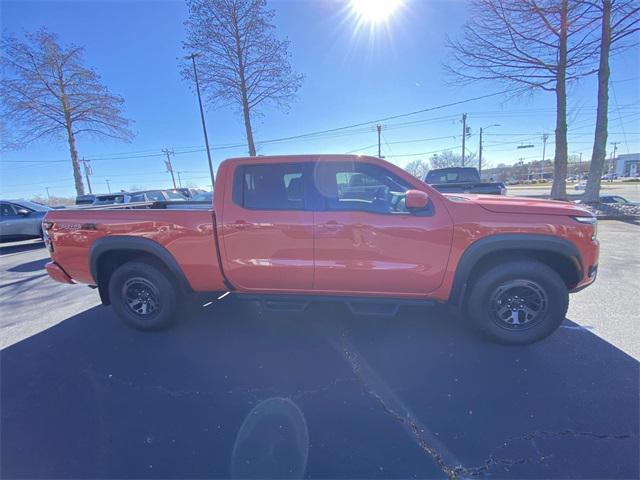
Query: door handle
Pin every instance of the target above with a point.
(240, 225)
(331, 225)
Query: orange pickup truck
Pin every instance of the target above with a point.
(290, 230)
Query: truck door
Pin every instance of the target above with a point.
(366, 241)
(267, 228)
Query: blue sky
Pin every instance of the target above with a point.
(351, 75)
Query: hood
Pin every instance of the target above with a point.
(535, 206)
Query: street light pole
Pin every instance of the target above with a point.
(108, 186)
(192, 57)
(544, 151)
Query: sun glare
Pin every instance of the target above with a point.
(374, 11)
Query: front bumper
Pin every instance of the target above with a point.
(592, 273)
(57, 273)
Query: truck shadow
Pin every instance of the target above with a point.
(412, 395)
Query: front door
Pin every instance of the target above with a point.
(267, 228)
(367, 242)
(10, 221)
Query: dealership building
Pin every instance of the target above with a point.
(628, 165)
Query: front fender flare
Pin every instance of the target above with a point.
(504, 243)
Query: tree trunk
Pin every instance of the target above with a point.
(247, 124)
(246, 111)
(559, 188)
(592, 191)
(77, 174)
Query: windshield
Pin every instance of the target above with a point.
(203, 197)
(173, 195)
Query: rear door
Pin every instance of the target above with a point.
(267, 228)
(367, 242)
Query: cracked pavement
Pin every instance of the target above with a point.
(325, 393)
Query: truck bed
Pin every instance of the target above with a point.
(186, 233)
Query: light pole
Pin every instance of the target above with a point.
(192, 57)
(108, 186)
(480, 147)
(545, 137)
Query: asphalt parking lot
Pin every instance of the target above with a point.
(233, 392)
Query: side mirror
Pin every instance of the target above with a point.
(416, 199)
(23, 211)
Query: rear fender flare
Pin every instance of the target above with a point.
(136, 244)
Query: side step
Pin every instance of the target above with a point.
(364, 306)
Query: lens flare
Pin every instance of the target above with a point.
(374, 11)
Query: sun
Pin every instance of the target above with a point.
(374, 11)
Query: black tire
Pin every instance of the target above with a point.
(517, 302)
(143, 295)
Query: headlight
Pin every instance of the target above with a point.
(593, 221)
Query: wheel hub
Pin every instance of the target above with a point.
(141, 297)
(518, 304)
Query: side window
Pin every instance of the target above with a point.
(360, 186)
(155, 197)
(7, 210)
(270, 187)
(139, 197)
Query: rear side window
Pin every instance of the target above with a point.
(278, 186)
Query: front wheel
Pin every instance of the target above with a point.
(518, 302)
(143, 296)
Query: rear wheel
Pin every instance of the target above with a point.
(142, 294)
(518, 302)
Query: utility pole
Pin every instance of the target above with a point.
(480, 147)
(612, 165)
(167, 164)
(108, 186)
(464, 135)
(179, 180)
(192, 57)
(87, 171)
(544, 152)
(379, 129)
(48, 195)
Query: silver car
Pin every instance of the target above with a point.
(21, 220)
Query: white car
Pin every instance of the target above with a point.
(580, 186)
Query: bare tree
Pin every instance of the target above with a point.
(46, 91)
(619, 20)
(449, 159)
(529, 45)
(242, 62)
(417, 168)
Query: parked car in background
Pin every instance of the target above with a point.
(21, 220)
(580, 186)
(154, 196)
(614, 200)
(85, 199)
(203, 197)
(188, 193)
(100, 199)
(462, 180)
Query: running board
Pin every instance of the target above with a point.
(362, 306)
